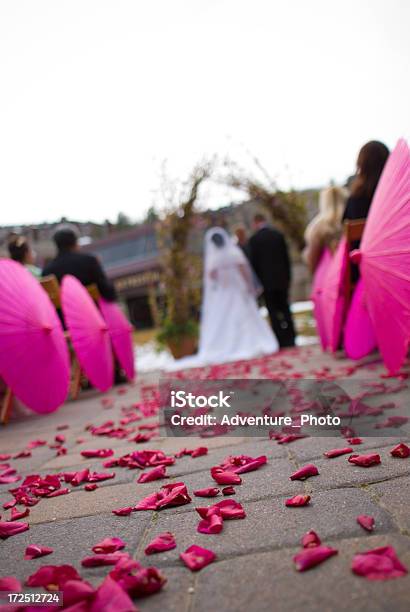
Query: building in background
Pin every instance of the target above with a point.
(132, 258)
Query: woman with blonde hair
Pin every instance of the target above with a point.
(325, 229)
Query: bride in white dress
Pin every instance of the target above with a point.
(232, 327)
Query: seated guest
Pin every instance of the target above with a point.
(21, 251)
(370, 163)
(70, 260)
(326, 228)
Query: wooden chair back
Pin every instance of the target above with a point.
(94, 292)
(52, 288)
(353, 231)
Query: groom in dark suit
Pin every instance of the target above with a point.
(269, 257)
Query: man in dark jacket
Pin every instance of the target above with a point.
(70, 260)
(270, 260)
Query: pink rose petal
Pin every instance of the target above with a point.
(161, 543)
(312, 556)
(354, 441)
(401, 450)
(228, 491)
(91, 486)
(10, 583)
(136, 580)
(378, 564)
(53, 577)
(336, 452)
(108, 545)
(155, 474)
(310, 539)
(195, 557)
(34, 550)
(365, 460)
(123, 511)
(212, 523)
(103, 559)
(209, 492)
(16, 515)
(366, 521)
(99, 452)
(224, 477)
(305, 472)
(297, 501)
(111, 597)
(11, 528)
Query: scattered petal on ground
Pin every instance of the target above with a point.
(365, 460)
(108, 545)
(310, 540)
(195, 557)
(298, 500)
(162, 542)
(34, 550)
(312, 556)
(305, 472)
(366, 521)
(378, 564)
(401, 450)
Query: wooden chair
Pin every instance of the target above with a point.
(353, 231)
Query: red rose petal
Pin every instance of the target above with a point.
(11, 528)
(77, 592)
(10, 583)
(91, 486)
(336, 452)
(111, 597)
(108, 545)
(240, 464)
(136, 580)
(378, 564)
(155, 474)
(53, 577)
(174, 494)
(401, 450)
(310, 557)
(354, 441)
(34, 550)
(224, 477)
(305, 472)
(103, 559)
(99, 452)
(123, 511)
(297, 501)
(212, 523)
(366, 521)
(228, 508)
(310, 539)
(161, 543)
(228, 491)
(209, 492)
(365, 460)
(16, 515)
(196, 557)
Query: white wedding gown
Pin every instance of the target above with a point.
(232, 327)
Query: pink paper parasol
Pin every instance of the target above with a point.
(120, 331)
(34, 360)
(359, 336)
(317, 297)
(88, 332)
(334, 299)
(384, 258)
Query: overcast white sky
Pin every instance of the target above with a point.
(96, 93)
